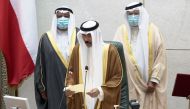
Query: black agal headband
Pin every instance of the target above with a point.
(133, 6)
(89, 28)
(63, 8)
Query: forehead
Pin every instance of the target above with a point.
(133, 11)
(87, 34)
(62, 13)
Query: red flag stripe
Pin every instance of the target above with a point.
(19, 61)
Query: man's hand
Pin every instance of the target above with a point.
(69, 93)
(70, 78)
(151, 86)
(44, 95)
(93, 93)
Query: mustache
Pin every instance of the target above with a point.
(87, 42)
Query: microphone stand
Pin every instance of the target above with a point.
(86, 70)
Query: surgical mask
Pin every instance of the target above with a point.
(62, 23)
(133, 20)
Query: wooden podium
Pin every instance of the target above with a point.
(182, 86)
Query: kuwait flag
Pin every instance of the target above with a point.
(18, 38)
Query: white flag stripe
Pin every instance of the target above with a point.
(26, 14)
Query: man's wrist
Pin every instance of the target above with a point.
(101, 94)
(155, 80)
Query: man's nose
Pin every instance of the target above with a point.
(86, 38)
(133, 15)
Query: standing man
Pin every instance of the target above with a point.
(53, 59)
(97, 65)
(145, 58)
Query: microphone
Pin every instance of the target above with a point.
(86, 70)
(69, 69)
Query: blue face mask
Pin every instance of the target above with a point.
(133, 20)
(62, 23)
